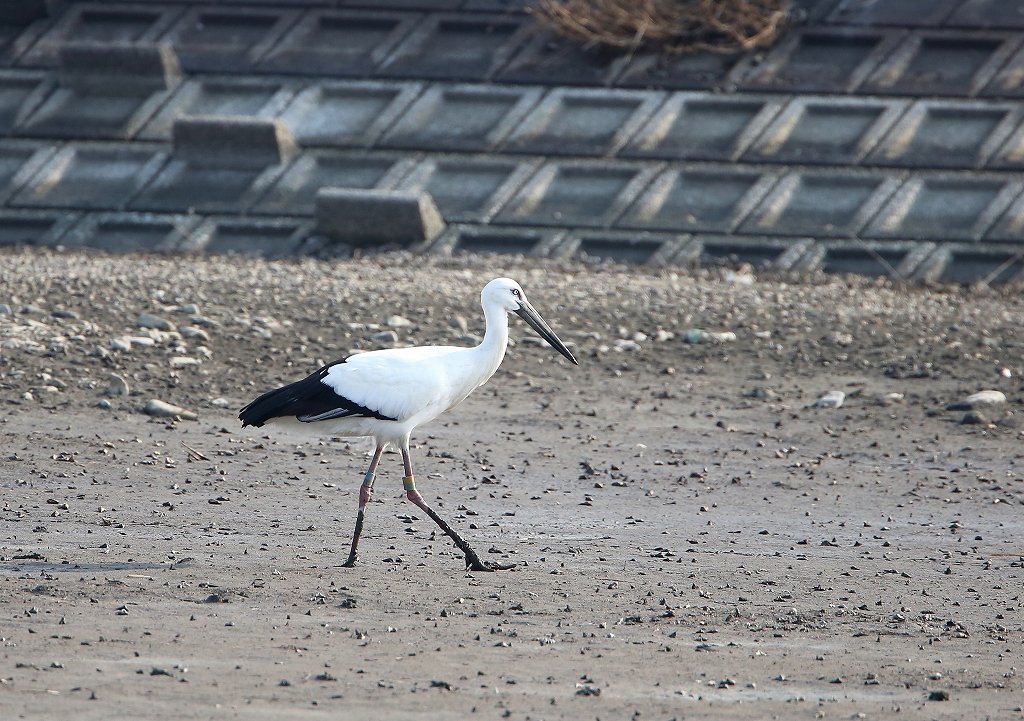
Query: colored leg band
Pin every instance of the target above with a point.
(409, 482)
(369, 478)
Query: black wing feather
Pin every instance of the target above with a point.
(308, 400)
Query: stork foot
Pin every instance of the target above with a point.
(351, 562)
(473, 563)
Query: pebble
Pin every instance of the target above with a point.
(64, 313)
(162, 409)
(459, 323)
(188, 309)
(143, 340)
(190, 331)
(184, 361)
(220, 402)
(624, 346)
(385, 336)
(397, 321)
(148, 320)
(118, 386)
(979, 399)
(974, 418)
(832, 399)
(105, 404)
(5, 309)
(698, 335)
(121, 344)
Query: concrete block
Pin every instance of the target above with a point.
(972, 263)
(266, 238)
(91, 176)
(763, 254)
(19, 161)
(34, 227)
(377, 217)
(130, 232)
(1008, 81)
(468, 188)
(338, 42)
(821, 204)
(688, 71)
(622, 247)
(942, 63)
(953, 134)
(578, 121)
(462, 117)
(945, 206)
(105, 91)
(294, 192)
(233, 142)
(905, 13)
(489, 239)
(220, 97)
(1010, 225)
(118, 68)
(698, 197)
(550, 60)
(21, 93)
(101, 24)
(825, 130)
(577, 193)
(347, 113)
(699, 126)
(460, 46)
(832, 61)
(994, 14)
(898, 260)
(218, 38)
(184, 187)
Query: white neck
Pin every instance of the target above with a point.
(495, 339)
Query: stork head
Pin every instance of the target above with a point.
(509, 295)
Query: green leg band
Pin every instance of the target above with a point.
(369, 478)
(409, 482)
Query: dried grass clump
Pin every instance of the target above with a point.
(673, 26)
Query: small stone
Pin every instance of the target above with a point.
(626, 346)
(981, 398)
(890, 399)
(459, 323)
(938, 696)
(64, 313)
(832, 399)
(184, 361)
(220, 402)
(5, 309)
(162, 409)
(974, 418)
(385, 336)
(397, 321)
(142, 340)
(104, 404)
(188, 309)
(121, 344)
(148, 320)
(190, 331)
(118, 386)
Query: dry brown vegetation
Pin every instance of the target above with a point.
(673, 26)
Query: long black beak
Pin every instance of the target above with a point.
(527, 313)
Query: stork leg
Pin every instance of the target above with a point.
(365, 491)
(473, 562)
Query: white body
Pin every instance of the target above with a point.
(415, 385)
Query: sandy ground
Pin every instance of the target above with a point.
(693, 538)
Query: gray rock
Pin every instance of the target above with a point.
(832, 399)
(161, 409)
(148, 320)
(118, 386)
(974, 418)
(981, 399)
(385, 336)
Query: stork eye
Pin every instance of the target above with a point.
(516, 293)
